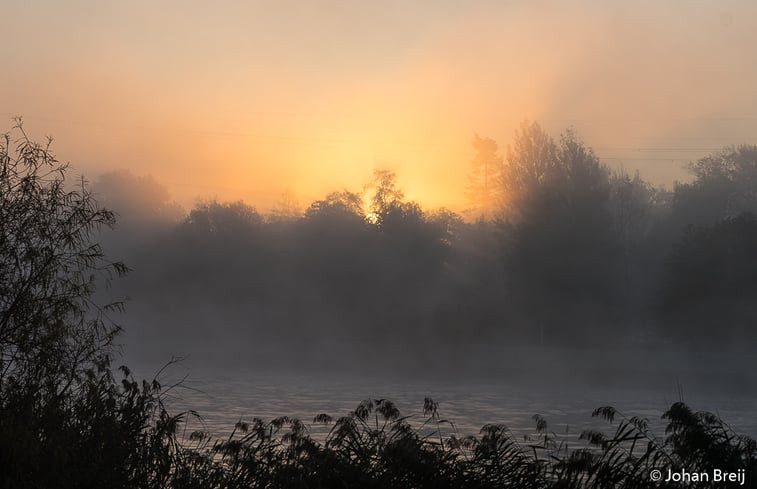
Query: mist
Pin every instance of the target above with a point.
(260, 99)
(561, 269)
(422, 225)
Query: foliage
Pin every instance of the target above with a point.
(711, 280)
(725, 186)
(222, 219)
(51, 331)
(374, 446)
(531, 164)
(576, 254)
(562, 249)
(485, 190)
(137, 199)
(385, 195)
(66, 422)
(101, 434)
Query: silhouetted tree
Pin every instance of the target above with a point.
(484, 189)
(139, 200)
(531, 163)
(633, 206)
(64, 421)
(385, 195)
(711, 282)
(219, 243)
(563, 259)
(576, 256)
(224, 219)
(51, 331)
(725, 185)
(638, 213)
(341, 204)
(287, 208)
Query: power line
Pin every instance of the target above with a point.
(332, 142)
(329, 142)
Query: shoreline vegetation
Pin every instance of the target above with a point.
(119, 433)
(67, 420)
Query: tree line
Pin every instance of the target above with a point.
(556, 249)
(67, 420)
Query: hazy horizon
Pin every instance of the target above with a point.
(251, 101)
(480, 244)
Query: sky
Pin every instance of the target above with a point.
(249, 100)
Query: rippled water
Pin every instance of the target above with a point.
(223, 398)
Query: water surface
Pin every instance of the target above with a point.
(223, 397)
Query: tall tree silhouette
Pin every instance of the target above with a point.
(562, 259)
(484, 189)
(531, 163)
(384, 195)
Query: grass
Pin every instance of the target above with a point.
(376, 447)
(118, 434)
(66, 421)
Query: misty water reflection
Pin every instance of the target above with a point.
(223, 398)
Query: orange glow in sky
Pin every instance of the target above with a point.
(248, 100)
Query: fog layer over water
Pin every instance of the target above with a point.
(222, 398)
(561, 274)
